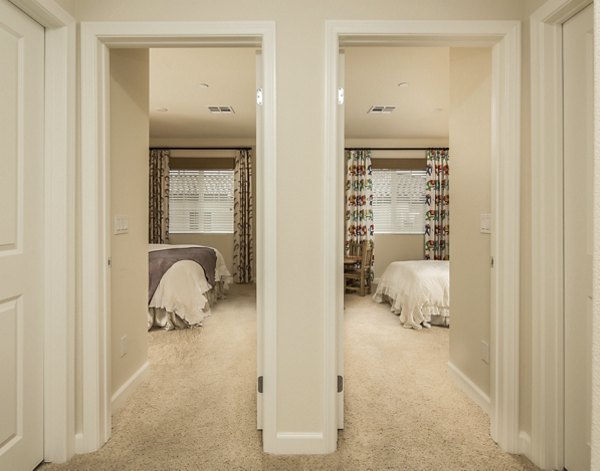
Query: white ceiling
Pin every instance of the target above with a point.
(175, 78)
(372, 77)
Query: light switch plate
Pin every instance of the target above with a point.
(485, 223)
(121, 225)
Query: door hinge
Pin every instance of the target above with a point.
(340, 96)
(340, 383)
(492, 262)
(109, 262)
(260, 384)
(259, 96)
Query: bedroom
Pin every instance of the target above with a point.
(442, 99)
(160, 99)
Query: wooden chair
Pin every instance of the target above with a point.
(357, 273)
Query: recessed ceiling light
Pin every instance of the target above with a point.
(204, 85)
(403, 84)
(162, 110)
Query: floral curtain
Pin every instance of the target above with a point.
(243, 219)
(359, 198)
(159, 197)
(437, 200)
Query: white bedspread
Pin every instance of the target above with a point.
(417, 290)
(183, 287)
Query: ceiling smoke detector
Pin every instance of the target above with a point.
(381, 109)
(221, 109)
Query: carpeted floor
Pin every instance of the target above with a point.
(197, 409)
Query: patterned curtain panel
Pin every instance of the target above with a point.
(159, 197)
(243, 222)
(359, 197)
(437, 199)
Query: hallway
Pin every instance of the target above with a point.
(197, 409)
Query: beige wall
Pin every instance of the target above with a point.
(129, 197)
(393, 247)
(470, 196)
(222, 242)
(68, 5)
(300, 47)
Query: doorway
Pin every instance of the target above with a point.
(505, 196)
(161, 98)
(435, 97)
(96, 40)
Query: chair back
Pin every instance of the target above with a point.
(354, 248)
(367, 254)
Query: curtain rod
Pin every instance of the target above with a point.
(394, 148)
(201, 148)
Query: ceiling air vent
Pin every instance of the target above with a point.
(221, 109)
(381, 109)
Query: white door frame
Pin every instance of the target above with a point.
(96, 39)
(547, 402)
(505, 39)
(59, 225)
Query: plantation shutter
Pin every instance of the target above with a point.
(201, 201)
(399, 201)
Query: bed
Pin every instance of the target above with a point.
(418, 291)
(184, 282)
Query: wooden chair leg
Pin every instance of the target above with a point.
(362, 283)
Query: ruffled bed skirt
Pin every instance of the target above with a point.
(423, 317)
(167, 320)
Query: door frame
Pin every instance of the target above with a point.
(505, 39)
(96, 40)
(59, 158)
(547, 380)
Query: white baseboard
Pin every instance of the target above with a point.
(469, 388)
(120, 396)
(299, 443)
(524, 443)
(79, 443)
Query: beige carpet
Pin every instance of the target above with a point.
(197, 409)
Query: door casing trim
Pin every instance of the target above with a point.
(96, 40)
(505, 39)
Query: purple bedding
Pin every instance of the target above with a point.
(159, 261)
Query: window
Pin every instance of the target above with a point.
(201, 201)
(399, 201)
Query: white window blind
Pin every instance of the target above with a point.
(399, 201)
(200, 201)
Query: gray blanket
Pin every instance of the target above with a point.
(159, 261)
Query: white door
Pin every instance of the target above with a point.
(578, 171)
(341, 212)
(21, 249)
(259, 246)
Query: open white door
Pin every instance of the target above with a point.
(259, 243)
(21, 242)
(578, 66)
(341, 212)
